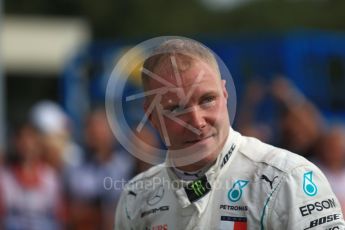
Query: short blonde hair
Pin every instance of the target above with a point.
(186, 50)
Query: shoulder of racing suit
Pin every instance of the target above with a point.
(301, 198)
(278, 158)
(147, 175)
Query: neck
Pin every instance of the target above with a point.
(191, 175)
(198, 166)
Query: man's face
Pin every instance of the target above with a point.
(191, 110)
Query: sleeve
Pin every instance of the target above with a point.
(305, 200)
(122, 220)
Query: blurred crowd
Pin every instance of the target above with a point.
(278, 113)
(48, 180)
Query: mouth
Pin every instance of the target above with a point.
(199, 140)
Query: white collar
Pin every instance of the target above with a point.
(224, 159)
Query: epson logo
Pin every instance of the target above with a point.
(317, 206)
(154, 210)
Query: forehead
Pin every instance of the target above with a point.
(177, 72)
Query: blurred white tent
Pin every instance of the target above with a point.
(2, 87)
(39, 46)
(223, 5)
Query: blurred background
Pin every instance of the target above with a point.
(287, 59)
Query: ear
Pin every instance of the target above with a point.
(225, 92)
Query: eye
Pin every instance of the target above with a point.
(208, 101)
(175, 109)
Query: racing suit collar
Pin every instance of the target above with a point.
(224, 159)
(230, 147)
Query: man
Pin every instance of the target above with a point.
(214, 178)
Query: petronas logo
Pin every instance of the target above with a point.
(235, 193)
(309, 187)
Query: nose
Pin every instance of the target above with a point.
(196, 118)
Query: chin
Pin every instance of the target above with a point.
(211, 157)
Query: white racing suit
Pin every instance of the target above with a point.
(252, 185)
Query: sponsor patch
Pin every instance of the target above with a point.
(227, 155)
(309, 187)
(158, 227)
(154, 210)
(233, 207)
(323, 220)
(235, 193)
(334, 228)
(268, 180)
(317, 206)
(156, 197)
(233, 223)
(198, 189)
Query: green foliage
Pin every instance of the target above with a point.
(121, 19)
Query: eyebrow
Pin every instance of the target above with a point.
(210, 93)
(204, 95)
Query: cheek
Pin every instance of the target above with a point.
(216, 113)
(172, 126)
